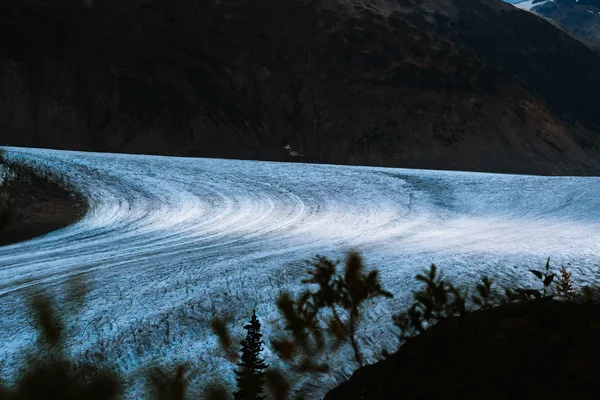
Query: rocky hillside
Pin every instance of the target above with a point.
(35, 204)
(459, 84)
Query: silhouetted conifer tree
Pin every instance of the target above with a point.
(250, 375)
(4, 211)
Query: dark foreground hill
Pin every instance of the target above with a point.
(460, 84)
(515, 351)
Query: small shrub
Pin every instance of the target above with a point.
(342, 295)
(564, 285)
(439, 299)
(165, 386)
(545, 277)
(520, 294)
(49, 374)
(483, 298)
(590, 294)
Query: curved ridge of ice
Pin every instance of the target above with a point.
(168, 242)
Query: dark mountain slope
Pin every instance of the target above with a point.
(458, 86)
(546, 61)
(515, 351)
(582, 17)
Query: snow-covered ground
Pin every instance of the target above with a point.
(169, 243)
(528, 4)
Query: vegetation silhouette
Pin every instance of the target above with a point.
(534, 345)
(320, 318)
(250, 376)
(564, 285)
(438, 300)
(308, 327)
(545, 277)
(339, 300)
(484, 299)
(49, 374)
(166, 386)
(4, 210)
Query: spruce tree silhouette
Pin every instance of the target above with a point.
(4, 210)
(250, 375)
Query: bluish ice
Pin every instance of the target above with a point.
(170, 243)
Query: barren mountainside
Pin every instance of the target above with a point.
(582, 17)
(460, 84)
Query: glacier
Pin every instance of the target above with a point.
(170, 243)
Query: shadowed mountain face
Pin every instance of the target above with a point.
(462, 84)
(581, 17)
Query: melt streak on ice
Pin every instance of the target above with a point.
(169, 243)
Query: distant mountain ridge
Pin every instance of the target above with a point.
(462, 84)
(581, 17)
